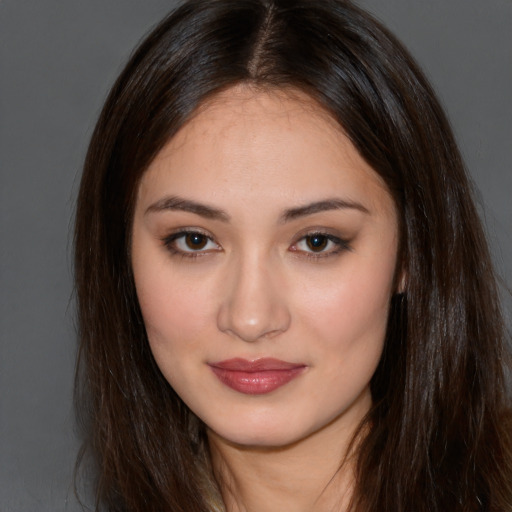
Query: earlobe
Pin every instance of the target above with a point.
(402, 282)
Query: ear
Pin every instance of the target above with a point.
(402, 282)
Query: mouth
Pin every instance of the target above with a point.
(256, 377)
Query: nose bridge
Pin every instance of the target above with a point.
(252, 305)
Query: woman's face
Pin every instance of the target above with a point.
(264, 253)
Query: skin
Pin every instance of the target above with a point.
(257, 289)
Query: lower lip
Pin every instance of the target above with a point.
(259, 382)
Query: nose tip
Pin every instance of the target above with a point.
(253, 309)
(251, 328)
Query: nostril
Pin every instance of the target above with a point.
(255, 324)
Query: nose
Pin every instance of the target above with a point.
(253, 304)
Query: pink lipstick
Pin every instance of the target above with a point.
(256, 377)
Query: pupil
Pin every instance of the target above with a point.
(195, 241)
(317, 242)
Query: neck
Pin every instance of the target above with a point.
(314, 474)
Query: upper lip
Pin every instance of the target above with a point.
(258, 365)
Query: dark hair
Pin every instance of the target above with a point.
(438, 437)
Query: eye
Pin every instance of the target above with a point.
(317, 243)
(320, 244)
(190, 243)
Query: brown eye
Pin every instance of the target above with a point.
(190, 243)
(196, 241)
(317, 243)
(320, 245)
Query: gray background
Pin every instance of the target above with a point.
(57, 60)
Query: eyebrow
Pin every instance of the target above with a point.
(210, 212)
(322, 206)
(186, 205)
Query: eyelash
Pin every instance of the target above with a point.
(340, 244)
(170, 243)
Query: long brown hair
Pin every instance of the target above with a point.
(438, 437)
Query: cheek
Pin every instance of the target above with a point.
(176, 320)
(352, 308)
(349, 321)
(173, 313)
(175, 307)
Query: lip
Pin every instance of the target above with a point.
(256, 377)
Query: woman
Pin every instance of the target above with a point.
(285, 296)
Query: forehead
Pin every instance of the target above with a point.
(269, 143)
(248, 118)
(246, 104)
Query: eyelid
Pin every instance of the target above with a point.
(341, 244)
(170, 239)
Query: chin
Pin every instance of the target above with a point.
(276, 435)
(259, 440)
